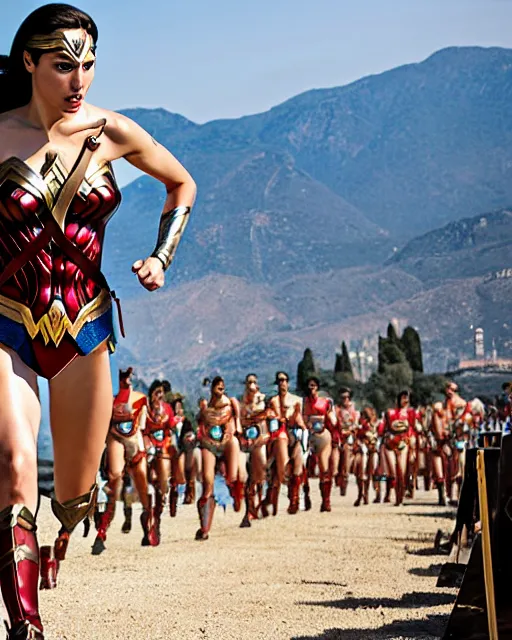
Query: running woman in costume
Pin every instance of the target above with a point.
(155, 418)
(253, 440)
(57, 192)
(320, 418)
(366, 456)
(459, 414)
(424, 463)
(174, 407)
(399, 426)
(441, 449)
(125, 451)
(219, 421)
(285, 445)
(347, 419)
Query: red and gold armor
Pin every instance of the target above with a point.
(54, 304)
(459, 416)
(366, 434)
(158, 424)
(319, 407)
(348, 418)
(400, 425)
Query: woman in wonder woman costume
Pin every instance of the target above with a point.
(156, 421)
(125, 454)
(57, 193)
(219, 422)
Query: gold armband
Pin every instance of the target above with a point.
(172, 226)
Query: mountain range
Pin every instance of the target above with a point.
(326, 216)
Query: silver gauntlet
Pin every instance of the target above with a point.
(172, 226)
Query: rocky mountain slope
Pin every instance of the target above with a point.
(319, 221)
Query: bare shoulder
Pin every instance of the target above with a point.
(119, 128)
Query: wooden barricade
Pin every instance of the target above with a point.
(482, 609)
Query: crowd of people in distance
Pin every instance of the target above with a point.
(258, 443)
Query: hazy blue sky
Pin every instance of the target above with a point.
(209, 59)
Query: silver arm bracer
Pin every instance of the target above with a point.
(172, 226)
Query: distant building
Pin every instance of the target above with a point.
(501, 364)
(480, 362)
(479, 344)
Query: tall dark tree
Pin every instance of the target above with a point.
(411, 345)
(381, 363)
(390, 352)
(392, 334)
(305, 368)
(347, 364)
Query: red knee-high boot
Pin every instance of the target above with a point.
(104, 520)
(325, 491)
(307, 491)
(271, 499)
(50, 559)
(149, 538)
(49, 568)
(399, 489)
(61, 544)
(251, 510)
(206, 508)
(294, 486)
(390, 485)
(19, 573)
(173, 500)
(157, 515)
(359, 492)
(236, 490)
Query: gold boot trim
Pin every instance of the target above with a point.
(73, 511)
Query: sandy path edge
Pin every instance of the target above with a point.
(353, 574)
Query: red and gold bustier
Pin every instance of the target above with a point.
(50, 296)
(319, 407)
(401, 421)
(347, 418)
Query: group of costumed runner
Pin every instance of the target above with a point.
(259, 444)
(57, 193)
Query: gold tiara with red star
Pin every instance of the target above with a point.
(80, 47)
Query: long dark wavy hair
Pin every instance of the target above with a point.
(15, 80)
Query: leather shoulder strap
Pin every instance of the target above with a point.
(76, 175)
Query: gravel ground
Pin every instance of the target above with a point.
(353, 574)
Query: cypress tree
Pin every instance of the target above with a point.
(392, 335)
(305, 368)
(347, 365)
(411, 344)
